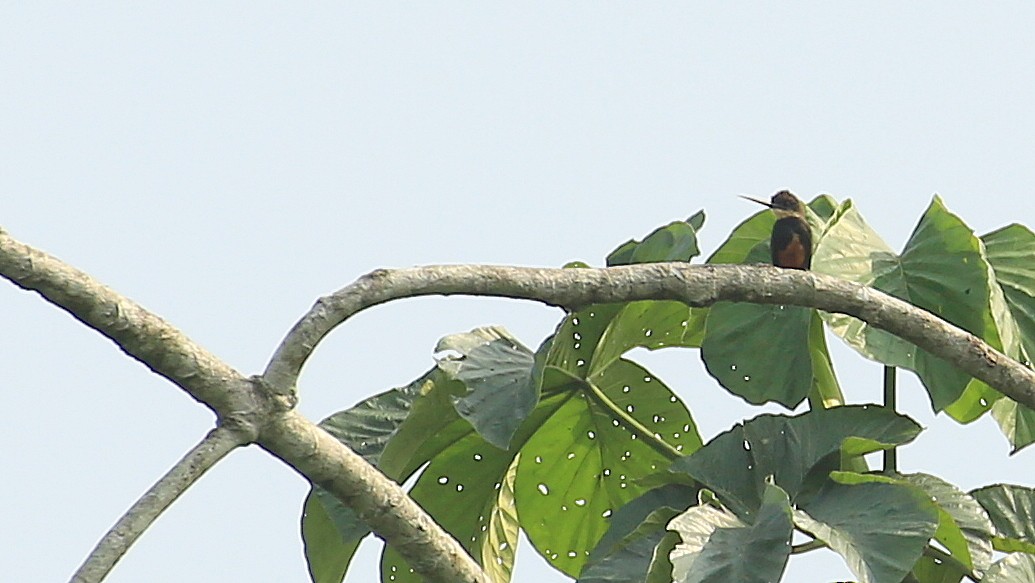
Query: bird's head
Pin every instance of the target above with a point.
(783, 203)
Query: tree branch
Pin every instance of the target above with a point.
(244, 405)
(138, 332)
(696, 285)
(260, 408)
(216, 444)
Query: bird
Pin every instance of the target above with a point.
(791, 241)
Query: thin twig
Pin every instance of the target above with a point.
(216, 444)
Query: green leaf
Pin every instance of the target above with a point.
(650, 324)
(796, 453)
(629, 560)
(622, 553)
(1012, 510)
(398, 431)
(1014, 568)
(880, 529)
(824, 206)
(825, 387)
(583, 461)
(468, 489)
(1016, 421)
(943, 270)
(1009, 251)
(674, 242)
(501, 376)
(759, 352)
(717, 547)
(327, 554)
(749, 239)
(964, 529)
(697, 220)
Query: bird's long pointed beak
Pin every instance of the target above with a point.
(761, 202)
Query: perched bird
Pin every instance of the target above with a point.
(791, 242)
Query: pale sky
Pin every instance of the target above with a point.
(224, 164)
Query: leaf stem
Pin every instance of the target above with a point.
(808, 546)
(890, 401)
(660, 445)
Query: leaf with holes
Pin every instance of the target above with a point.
(630, 559)
(943, 270)
(592, 338)
(796, 453)
(1012, 510)
(501, 376)
(760, 352)
(398, 431)
(629, 549)
(880, 529)
(468, 489)
(718, 547)
(582, 462)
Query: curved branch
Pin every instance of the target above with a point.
(696, 285)
(378, 501)
(138, 332)
(259, 408)
(216, 444)
(244, 406)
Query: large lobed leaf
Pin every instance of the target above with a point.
(718, 547)
(879, 528)
(1010, 251)
(614, 423)
(796, 453)
(765, 353)
(397, 431)
(1012, 511)
(941, 269)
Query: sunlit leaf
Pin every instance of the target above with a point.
(760, 352)
(1012, 510)
(964, 529)
(718, 547)
(397, 431)
(880, 529)
(1015, 568)
(583, 461)
(468, 489)
(796, 453)
(942, 269)
(1010, 251)
(501, 377)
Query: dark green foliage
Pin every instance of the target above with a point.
(601, 464)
